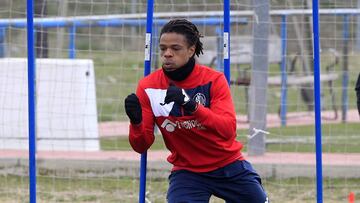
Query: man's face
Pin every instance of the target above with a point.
(174, 51)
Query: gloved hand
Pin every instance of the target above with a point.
(133, 109)
(179, 96)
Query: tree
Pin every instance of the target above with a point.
(42, 48)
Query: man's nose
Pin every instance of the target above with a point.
(168, 53)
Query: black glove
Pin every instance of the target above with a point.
(133, 109)
(179, 96)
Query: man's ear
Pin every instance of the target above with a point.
(191, 51)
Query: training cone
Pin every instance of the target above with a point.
(351, 197)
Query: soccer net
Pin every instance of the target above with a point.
(90, 56)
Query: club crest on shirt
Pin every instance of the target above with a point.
(200, 98)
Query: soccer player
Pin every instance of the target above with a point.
(357, 89)
(192, 106)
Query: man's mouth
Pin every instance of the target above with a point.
(168, 66)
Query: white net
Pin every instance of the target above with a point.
(81, 100)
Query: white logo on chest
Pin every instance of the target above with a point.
(170, 126)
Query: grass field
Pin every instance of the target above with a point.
(125, 190)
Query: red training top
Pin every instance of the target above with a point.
(201, 141)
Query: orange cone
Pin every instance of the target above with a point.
(351, 197)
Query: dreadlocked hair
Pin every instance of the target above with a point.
(188, 29)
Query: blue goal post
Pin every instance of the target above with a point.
(31, 101)
(317, 97)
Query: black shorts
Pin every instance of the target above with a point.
(237, 182)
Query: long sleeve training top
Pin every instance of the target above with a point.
(200, 141)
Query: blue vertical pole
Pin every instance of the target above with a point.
(226, 40)
(2, 41)
(31, 100)
(72, 41)
(317, 96)
(345, 76)
(147, 70)
(283, 107)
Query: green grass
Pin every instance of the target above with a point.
(336, 138)
(102, 189)
(62, 189)
(295, 102)
(117, 74)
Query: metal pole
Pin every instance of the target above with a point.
(357, 47)
(31, 100)
(72, 41)
(147, 70)
(317, 97)
(345, 78)
(219, 48)
(259, 77)
(283, 107)
(226, 40)
(2, 41)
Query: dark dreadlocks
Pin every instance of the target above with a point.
(188, 29)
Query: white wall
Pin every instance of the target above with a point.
(65, 110)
